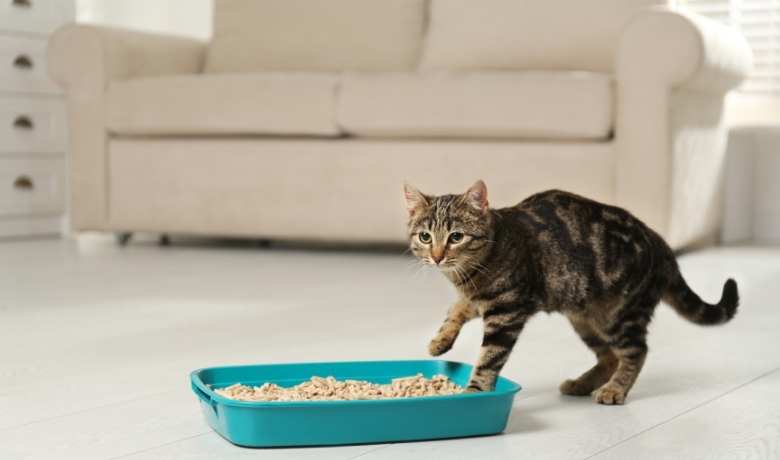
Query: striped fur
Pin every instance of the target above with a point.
(555, 251)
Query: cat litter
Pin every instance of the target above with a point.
(328, 388)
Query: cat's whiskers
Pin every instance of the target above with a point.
(413, 264)
(462, 276)
(476, 266)
(419, 267)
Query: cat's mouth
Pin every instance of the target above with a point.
(446, 266)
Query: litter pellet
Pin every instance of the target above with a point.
(328, 388)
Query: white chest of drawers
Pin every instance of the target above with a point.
(32, 120)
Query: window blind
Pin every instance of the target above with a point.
(759, 22)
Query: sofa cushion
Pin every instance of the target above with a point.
(544, 105)
(332, 35)
(273, 103)
(527, 34)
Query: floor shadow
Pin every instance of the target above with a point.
(267, 244)
(523, 418)
(656, 386)
(647, 388)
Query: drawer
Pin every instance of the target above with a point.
(26, 226)
(32, 186)
(35, 16)
(32, 125)
(23, 65)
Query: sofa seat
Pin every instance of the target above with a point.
(224, 104)
(509, 104)
(514, 105)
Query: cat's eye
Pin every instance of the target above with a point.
(424, 237)
(455, 237)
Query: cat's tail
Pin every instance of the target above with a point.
(690, 306)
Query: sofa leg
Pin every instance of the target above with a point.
(165, 240)
(123, 238)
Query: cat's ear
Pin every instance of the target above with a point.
(476, 196)
(415, 200)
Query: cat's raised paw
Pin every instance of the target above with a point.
(576, 388)
(610, 395)
(439, 346)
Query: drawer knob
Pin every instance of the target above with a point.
(24, 182)
(23, 62)
(23, 122)
(21, 3)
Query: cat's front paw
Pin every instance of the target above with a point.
(610, 395)
(475, 386)
(439, 346)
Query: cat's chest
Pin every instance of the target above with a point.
(471, 297)
(480, 307)
(476, 307)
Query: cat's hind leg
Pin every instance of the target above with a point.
(599, 374)
(628, 341)
(458, 315)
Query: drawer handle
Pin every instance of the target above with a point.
(21, 3)
(24, 183)
(23, 62)
(23, 122)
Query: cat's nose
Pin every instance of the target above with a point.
(437, 257)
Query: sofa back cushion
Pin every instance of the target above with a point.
(316, 35)
(527, 34)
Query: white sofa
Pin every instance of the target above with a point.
(302, 118)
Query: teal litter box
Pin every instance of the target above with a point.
(319, 423)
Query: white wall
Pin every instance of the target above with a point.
(752, 208)
(752, 109)
(190, 18)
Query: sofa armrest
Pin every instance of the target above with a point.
(673, 70)
(85, 58)
(676, 49)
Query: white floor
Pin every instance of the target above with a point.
(96, 344)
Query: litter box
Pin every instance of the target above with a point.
(319, 423)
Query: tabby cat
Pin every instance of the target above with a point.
(555, 251)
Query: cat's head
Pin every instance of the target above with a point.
(450, 232)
